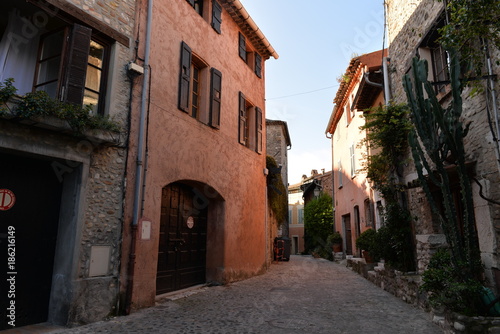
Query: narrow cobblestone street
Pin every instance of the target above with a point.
(304, 295)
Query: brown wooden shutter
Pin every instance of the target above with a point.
(258, 129)
(215, 97)
(216, 16)
(242, 120)
(242, 47)
(185, 77)
(258, 65)
(76, 65)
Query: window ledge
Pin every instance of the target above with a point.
(54, 124)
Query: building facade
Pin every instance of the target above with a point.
(299, 195)
(356, 203)
(62, 185)
(278, 144)
(196, 208)
(412, 30)
(296, 218)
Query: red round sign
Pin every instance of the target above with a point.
(7, 199)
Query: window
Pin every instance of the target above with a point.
(71, 66)
(242, 47)
(353, 160)
(249, 56)
(339, 171)
(301, 215)
(250, 129)
(369, 217)
(216, 16)
(437, 58)
(199, 95)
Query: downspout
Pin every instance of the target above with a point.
(494, 103)
(387, 90)
(140, 157)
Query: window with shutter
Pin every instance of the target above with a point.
(242, 116)
(74, 85)
(215, 98)
(353, 160)
(185, 77)
(242, 47)
(216, 16)
(340, 176)
(258, 65)
(258, 129)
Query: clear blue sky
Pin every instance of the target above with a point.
(315, 42)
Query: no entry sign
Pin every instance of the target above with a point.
(7, 199)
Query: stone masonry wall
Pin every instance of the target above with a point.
(408, 24)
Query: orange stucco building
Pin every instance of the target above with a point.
(195, 209)
(356, 203)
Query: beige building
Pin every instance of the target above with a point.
(356, 203)
(196, 207)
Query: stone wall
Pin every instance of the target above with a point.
(408, 24)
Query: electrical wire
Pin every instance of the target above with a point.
(303, 93)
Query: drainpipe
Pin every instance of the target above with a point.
(494, 102)
(140, 154)
(387, 91)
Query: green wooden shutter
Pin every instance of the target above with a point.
(242, 47)
(76, 66)
(258, 130)
(185, 77)
(215, 97)
(242, 128)
(258, 65)
(216, 16)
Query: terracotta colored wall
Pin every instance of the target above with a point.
(183, 148)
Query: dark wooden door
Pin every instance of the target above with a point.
(183, 240)
(33, 222)
(348, 234)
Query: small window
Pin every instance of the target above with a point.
(353, 160)
(242, 47)
(249, 55)
(250, 129)
(216, 16)
(301, 215)
(340, 171)
(437, 58)
(200, 89)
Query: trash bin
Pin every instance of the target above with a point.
(287, 247)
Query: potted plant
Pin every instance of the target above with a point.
(336, 242)
(367, 243)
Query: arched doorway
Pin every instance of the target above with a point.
(183, 239)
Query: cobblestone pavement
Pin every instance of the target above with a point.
(304, 295)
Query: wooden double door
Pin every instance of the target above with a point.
(183, 239)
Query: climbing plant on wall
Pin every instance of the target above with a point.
(387, 130)
(471, 24)
(276, 192)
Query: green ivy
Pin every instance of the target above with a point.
(387, 131)
(40, 104)
(470, 25)
(276, 193)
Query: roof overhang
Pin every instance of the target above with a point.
(249, 28)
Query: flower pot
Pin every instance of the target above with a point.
(368, 258)
(337, 248)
